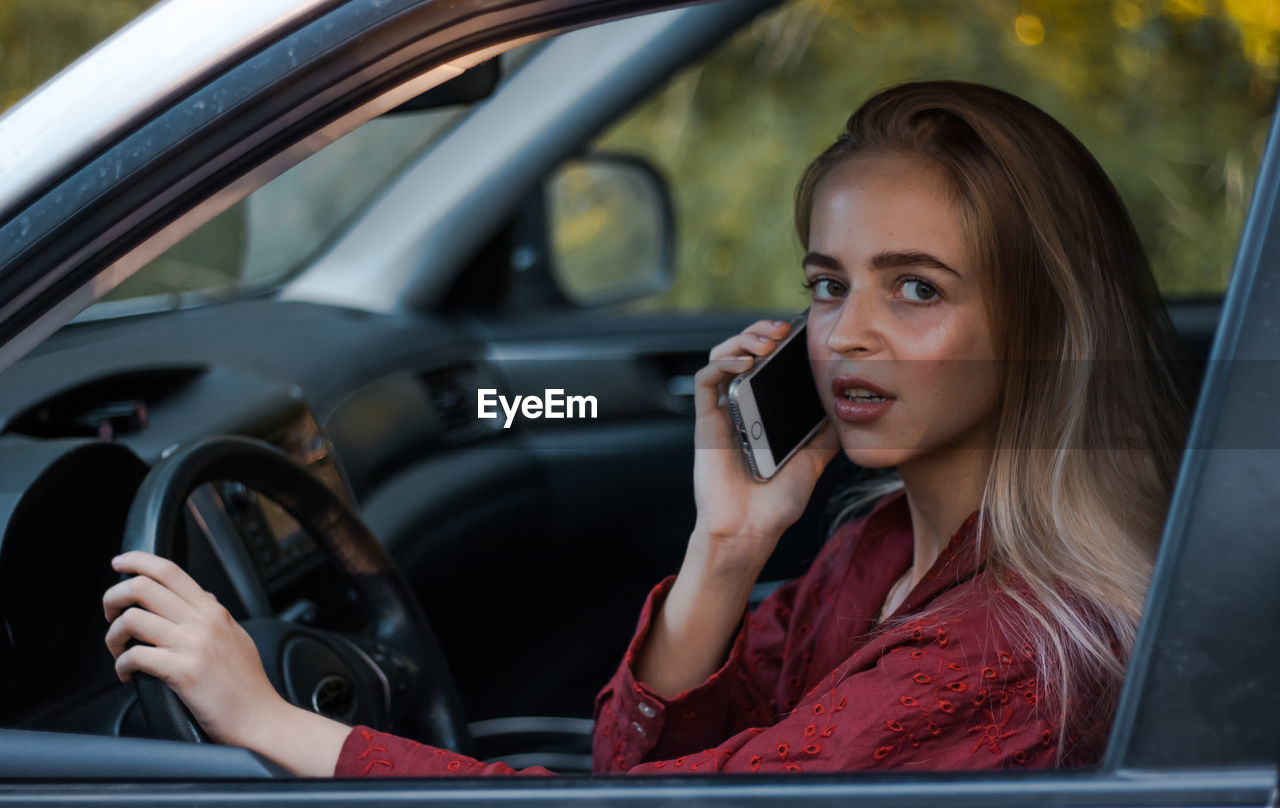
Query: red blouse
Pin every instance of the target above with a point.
(810, 686)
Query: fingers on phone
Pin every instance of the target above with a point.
(742, 345)
(773, 329)
(757, 339)
(736, 355)
(709, 384)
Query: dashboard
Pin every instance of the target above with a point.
(68, 522)
(76, 455)
(85, 416)
(382, 408)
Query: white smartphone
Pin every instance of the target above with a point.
(775, 405)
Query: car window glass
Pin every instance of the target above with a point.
(263, 239)
(260, 240)
(1174, 100)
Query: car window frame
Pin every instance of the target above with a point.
(1211, 544)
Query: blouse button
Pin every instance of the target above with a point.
(646, 710)
(636, 726)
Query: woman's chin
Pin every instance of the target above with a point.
(874, 457)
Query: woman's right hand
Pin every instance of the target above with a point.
(191, 643)
(740, 516)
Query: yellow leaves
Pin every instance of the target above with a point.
(1029, 29)
(1259, 23)
(1129, 14)
(1186, 10)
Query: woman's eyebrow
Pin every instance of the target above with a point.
(822, 261)
(909, 258)
(883, 260)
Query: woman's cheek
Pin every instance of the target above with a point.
(944, 331)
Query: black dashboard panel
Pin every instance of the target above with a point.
(255, 353)
(327, 351)
(66, 503)
(496, 529)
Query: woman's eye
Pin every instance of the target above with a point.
(825, 288)
(919, 291)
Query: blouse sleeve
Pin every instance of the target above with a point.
(635, 723)
(941, 695)
(369, 753)
(632, 722)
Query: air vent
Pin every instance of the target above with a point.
(453, 393)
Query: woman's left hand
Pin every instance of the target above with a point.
(192, 643)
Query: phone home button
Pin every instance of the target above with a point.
(756, 430)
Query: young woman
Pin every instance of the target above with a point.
(983, 321)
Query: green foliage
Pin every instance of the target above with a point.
(1174, 99)
(40, 37)
(1167, 99)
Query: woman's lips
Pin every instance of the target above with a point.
(859, 410)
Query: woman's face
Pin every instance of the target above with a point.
(899, 339)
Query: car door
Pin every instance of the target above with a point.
(134, 185)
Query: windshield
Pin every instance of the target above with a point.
(260, 241)
(265, 237)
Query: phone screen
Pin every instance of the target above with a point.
(787, 398)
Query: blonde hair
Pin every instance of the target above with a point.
(1092, 413)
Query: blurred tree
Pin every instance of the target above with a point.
(1173, 98)
(40, 37)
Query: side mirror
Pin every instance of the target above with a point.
(612, 229)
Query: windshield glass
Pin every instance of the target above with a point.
(262, 239)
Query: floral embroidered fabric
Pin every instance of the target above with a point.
(811, 684)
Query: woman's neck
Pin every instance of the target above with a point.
(942, 490)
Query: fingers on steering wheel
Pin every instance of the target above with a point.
(148, 593)
(159, 662)
(143, 626)
(163, 571)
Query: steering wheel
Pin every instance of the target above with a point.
(399, 670)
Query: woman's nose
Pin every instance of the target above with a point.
(854, 330)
